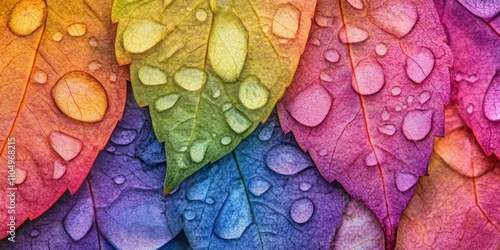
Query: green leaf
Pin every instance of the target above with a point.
(210, 70)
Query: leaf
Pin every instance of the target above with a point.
(210, 70)
(265, 195)
(457, 205)
(62, 94)
(368, 98)
(475, 75)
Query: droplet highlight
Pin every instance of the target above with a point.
(357, 4)
(368, 77)
(95, 65)
(302, 210)
(27, 16)
(417, 124)
(253, 94)
(470, 108)
(66, 146)
(80, 219)
(311, 106)
(57, 36)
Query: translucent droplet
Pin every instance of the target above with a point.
(189, 9)
(166, 102)
(197, 151)
(80, 219)
(287, 159)
(253, 94)
(95, 65)
(112, 77)
(123, 136)
(34, 232)
(59, 170)
(398, 108)
(420, 65)
(111, 149)
(286, 21)
(410, 98)
(27, 16)
(305, 186)
(57, 36)
(77, 29)
(387, 129)
(385, 115)
(93, 41)
(283, 41)
(267, 132)
(210, 201)
(417, 124)
(323, 152)
(325, 76)
(491, 101)
(66, 146)
(405, 106)
(237, 121)
(368, 77)
(189, 215)
(405, 181)
(311, 106)
(150, 75)
(228, 46)
(357, 4)
(381, 49)
(424, 97)
(198, 192)
(225, 140)
(471, 78)
(395, 91)
(80, 96)
(191, 79)
(265, 28)
(397, 19)
(142, 34)
(182, 149)
(234, 216)
(20, 175)
(216, 94)
(332, 55)
(302, 210)
(119, 179)
(226, 106)
(258, 186)
(315, 41)
(470, 108)
(40, 76)
(371, 160)
(323, 21)
(459, 76)
(352, 34)
(201, 15)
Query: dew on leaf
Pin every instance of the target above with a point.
(182, 149)
(111, 149)
(265, 28)
(471, 78)
(405, 106)
(66, 146)
(323, 152)
(20, 175)
(387, 129)
(77, 29)
(93, 42)
(57, 36)
(216, 94)
(302, 210)
(417, 124)
(398, 108)
(191, 79)
(141, 35)
(459, 76)
(305, 186)
(198, 192)
(311, 106)
(352, 34)
(470, 108)
(234, 216)
(201, 15)
(410, 98)
(123, 136)
(119, 179)
(59, 170)
(226, 106)
(40, 76)
(253, 94)
(405, 181)
(267, 132)
(325, 76)
(225, 140)
(385, 115)
(491, 101)
(80, 96)
(370, 159)
(166, 102)
(258, 186)
(368, 77)
(420, 65)
(395, 91)
(286, 21)
(150, 75)
(287, 159)
(332, 55)
(94, 65)
(80, 219)
(237, 121)
(27, 16)
(112, 77)
(424, 97)
(357, 4)
(315, 41)
(210, 201)
(197, 151)
(34, 232)
(397, 19)
(189, 215)
(381, 49)
(323, 21)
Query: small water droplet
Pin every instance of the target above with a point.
(182, 149)
(357, 4)
(226, 106)
(397, 19)
(491, 101)
(34, 232)
(368, 78)
(40, 76)
(283, 41)
(57, 36)
(385, 115)
(387, 129)
(381, 49)
(93, 41)
(286, 21)
(142, 34)
(332, 55)
(405, 181)
(302, 210)
(287, 159)
(237, 121)
(166, 102)
(123, 136)
(420, 65)
(77, 29)
(210, 201)
(197, 151)
(267, 132)
(95, 65)
(471, 78)
(417, 124)
(150, 75)
(315, 41)
(311, 106)
(258, 186)
(305, 186)
(323, 21)
(59, 170)
(234, 216)
(410, 98)
(80, 96)
(189, 215)
(20, 175)
(395, 91)
(405, 106)
(459, 76)
(265, 28)
(470, 108)
(323, 152)
(27, 16)
(370, 160)
(191, 79)
(352, 34)
(119, 179)
(201, 15)
(398, 108)
(325, 76)
(112, 77)
(225, 140)
(111, 149)
(424, 97)
(253, 94)
(80, 219)
(66, 146)
(216, 94)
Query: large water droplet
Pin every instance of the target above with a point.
(395, 91)
(417, 124)
(311, 106)
(189, 215)
(27, 16)
(123, 136)
(197, 151)
(234, 217)
(201, 15)
(142, 34)
(470, 108)
(166, 102)
(305, 186)
(150, 75)
(20, 175)
(66, 146)
(228, 46)
(252, 93)
(198, 192)
(225, 140)
(286, 21)
(424, 97)
(381, 49)
(387, 129)
(368, 77)
(191, 79)
(332, 55)
(80, 219)
(397, 19)
(287, 159)
(77, 29)
(302, 210)
(352, 34)
(119, 179)
(491, 101)
(237, 121)
(258, 186)
(40, 76)
(59, 170)
(405, 181)
(357, 4)
(80, 96)
(267, 132)
(420, 65)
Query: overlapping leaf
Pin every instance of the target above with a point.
(368, 98)
(210, 70)
(59, 85)
(476, 77)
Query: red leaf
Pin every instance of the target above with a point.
(372, 130)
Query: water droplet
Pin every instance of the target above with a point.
(210, 201)
(420, 65)
(20, 175)
(267, 132)
(315, 41)
(398, 108)
(484, 9)
(189, 215)
(397, 19)
(381, 49)
(198, 192)
(283, 41)
(405, 106)
(191, 79)
(368, 78)
(112, 77)
(228, 46)
(111, 149)
(352, 34)
(166, 102)
(66, 146)
(226, 106)
(323, 21)
(491, 101)
(311, 106)
(287, 159)
(371, 160)
(27, 16)
(417, 124)
(357, 4)
(150, 75)
(93, 41)
(40, 76)
(80, 219)
(332, 55)
(424, 97)
(123, 136)
(252, 93)
(323, 152)
(405, 181)
(119, 179)
(142, 34)
(94, 65)
(225, 140)
(189, 9)
(77, 29)
(387, 129)
(59, 170)
(286, 21)
(234, 216)
(182, 149)
(237, 121)
(325, 76)
(471, 78)
(470, 109)
(34, 232)
(305, 186)
(302, 210)
(201, 15)
(80, 96)
(258, 186)
(395, 91)
(197, 151)
(216, 94)
(410, 98)
(57, 36)
(459, 76)
(265, 28)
